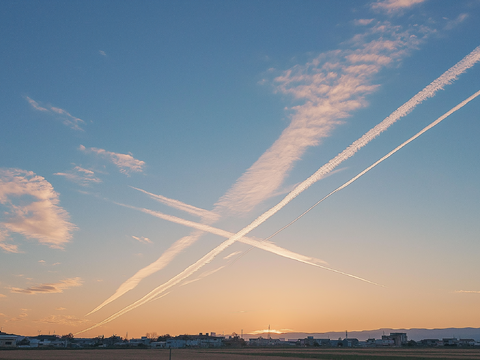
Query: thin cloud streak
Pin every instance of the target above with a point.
(68, 119)
(142, 239)
(446, 78)
(69, 320)
(49, 288)
(467, 291)
(125, 162)
(80, 176)
(205, 215)
(394, 5)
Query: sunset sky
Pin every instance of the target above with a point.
(137, 137)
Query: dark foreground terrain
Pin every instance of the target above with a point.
(233, 354)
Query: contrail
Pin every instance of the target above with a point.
(441, 118)
(261, 244)
(446, 78)
(202, 213)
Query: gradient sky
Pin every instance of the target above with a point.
(118, 117)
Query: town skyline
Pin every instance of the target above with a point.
(183, 166)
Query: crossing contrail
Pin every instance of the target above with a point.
(446, 78)
(202, 213)
(441, 118)
(261, 244)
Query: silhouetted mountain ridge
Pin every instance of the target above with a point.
(412, 334)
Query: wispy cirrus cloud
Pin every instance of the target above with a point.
(67, 118)
(142, 239)
(125, 162)
(468, 291)
(80, 176)
(363, 21)
(103, 53)
(70, 320)
(391, 6)
(455, 22)
(32, 210)
(2, 295)
(49, 288)
(327, 89)
(9, 248)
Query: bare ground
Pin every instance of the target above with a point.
(234, 354)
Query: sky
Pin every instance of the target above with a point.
(150, 150)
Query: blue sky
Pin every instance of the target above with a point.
(216, 110)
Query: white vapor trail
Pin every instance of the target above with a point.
(202, 213)
(425, 129)
(133, 281)
(446, 78)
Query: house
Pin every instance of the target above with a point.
(8, 341)
(466, 342)
(450, 341)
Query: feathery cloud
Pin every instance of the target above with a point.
(49, 288)
(468, 291)
(67, 118)
(363, 22)
(125, 162)
(42, 218)
(391, 6)
(458, 20)
(328, 88)
(142, 239)
(9, 248)
(2, 296)
(62, 320)
(103, 53)
(80, 176)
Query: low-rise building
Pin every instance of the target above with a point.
(8, 341)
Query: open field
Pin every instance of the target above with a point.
(234, 354)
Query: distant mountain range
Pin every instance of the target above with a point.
(412, 334)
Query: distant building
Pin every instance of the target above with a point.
(450, 341)
(430, 342)
(8, 341)
(466, 342)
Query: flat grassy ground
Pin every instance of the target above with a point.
(234, 354)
